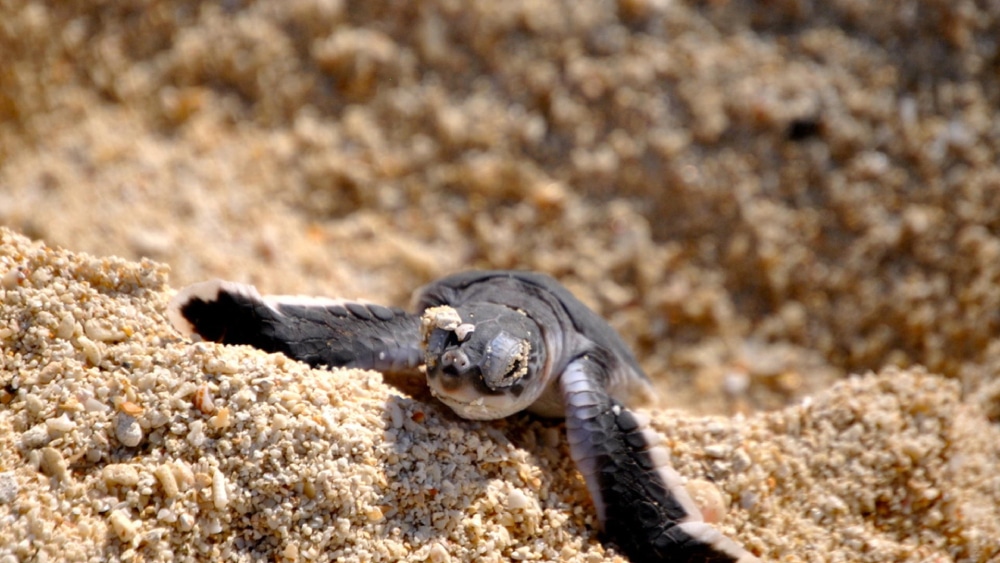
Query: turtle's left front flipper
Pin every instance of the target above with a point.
(641, 501)
(318, 331)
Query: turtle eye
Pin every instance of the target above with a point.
(514, 372)
(505, 360)
(451, 340)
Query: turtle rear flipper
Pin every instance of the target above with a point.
(319, 332)
(641, 501)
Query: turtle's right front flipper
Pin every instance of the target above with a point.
(641, 501)
(319, 332)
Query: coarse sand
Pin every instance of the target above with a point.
(762, 197)
(119, 440)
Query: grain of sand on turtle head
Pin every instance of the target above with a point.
(119, 440)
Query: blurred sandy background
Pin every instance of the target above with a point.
(763, 197)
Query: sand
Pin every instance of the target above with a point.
(763, 200)
(120, 440)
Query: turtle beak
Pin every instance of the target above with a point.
(452, 370)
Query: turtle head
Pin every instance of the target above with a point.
(483, 359)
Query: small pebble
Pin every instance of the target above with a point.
(130, 408)
(718, 450)
(99, 330)
(222, 418)
(127, 430)
(67, 327)
(395, 413)
(279, 421)
(736, 383)
(166, 515)
(220, 497)
(165, 475)
(741, 460)
(153, 243)
(196, 433)
(34, 404)
(8, 487)
(124, 527)
(707, 496)
(183, 474)
(60, 424)
(41, 276)
(53, 463)
(213, 526)
(203, 399)
(438, 554)
(442, 317)
(517, 500)
(121, 474)
(12, 278)
(35, 437)
(374, 514)
(90, 404)
(90, 350)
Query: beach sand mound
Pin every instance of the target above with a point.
(119, 440)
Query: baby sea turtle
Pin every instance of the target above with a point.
(495, 343)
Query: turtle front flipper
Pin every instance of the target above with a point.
(641, 501)
(319, 332)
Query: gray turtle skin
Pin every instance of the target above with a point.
(495, 343)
